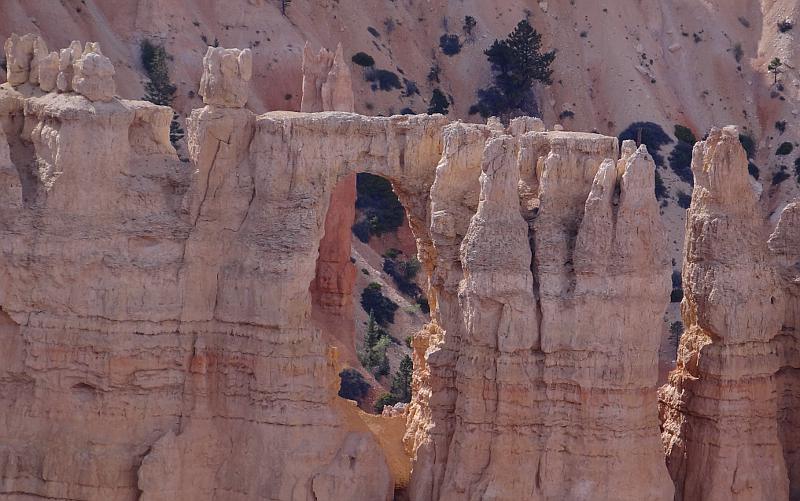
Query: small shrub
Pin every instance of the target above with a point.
(744, 21)
(675, 333)
(662, 193)
(797, 169)
(362, 230)
(373, 32)
(384, 400)
(784, 149)
(380, 306)
(738, 53)
(649, 134)
(433, 73)
(384, 79)
(439, 103)
(411, 88)
(780, 126)
(685, 134)
(684, 200)
(363, 59)
(749, 144)
(752, 169)
(422, 301)
(680, 161)
(450, 44)
(381, 210)
(780, 176)
(401, 383)
(365, 271)
(785, 25)
(407, 111)
(566, 114)
(403, 274)
(388, 23)
(677, 289)
(469, 27)
(352, 385)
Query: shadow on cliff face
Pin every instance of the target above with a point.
(368, 294)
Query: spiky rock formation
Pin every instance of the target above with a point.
(728, 410)
(539, 379)
(327, 82)
(84, 70)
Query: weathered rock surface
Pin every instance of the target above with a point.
(327, 82)
(93, 74)
(729, 409)
(538, 380)
(226, 77)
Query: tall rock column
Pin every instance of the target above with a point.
(719, 409)
(539, 382)
(327, 86)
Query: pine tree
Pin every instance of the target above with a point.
(775, 68)
(401, 384)
(439, 103)
(517, 62)
(159, 90)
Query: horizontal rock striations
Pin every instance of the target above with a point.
(728, 411)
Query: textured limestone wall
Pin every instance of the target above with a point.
(729, 410)
(549, 280)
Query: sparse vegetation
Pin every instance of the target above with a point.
(401, 383)
(785, 148)
(382, 79)
(411, 88)
(684, 200)
(738, 52)
(381, 211)
(651, 135)
(159, 90)
(439, 103)
(373, 355)
(469, 28)
(380, 307)
(677, 287)
(373, 32)
(744, 21)
(774, 67)
(384, 400)
(785, 25)
(516, 62)
(450, 44)
(797, 169)
(352, 385)
(780, 126)
(662, 193)
(752, 169)
(433, 73)
(680, 158)
(403, 272)
(780, 176)
(675, 333)
(363, 59)
(566, 114)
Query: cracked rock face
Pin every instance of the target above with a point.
(729, 409)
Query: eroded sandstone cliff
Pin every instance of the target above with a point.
(729, 409)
